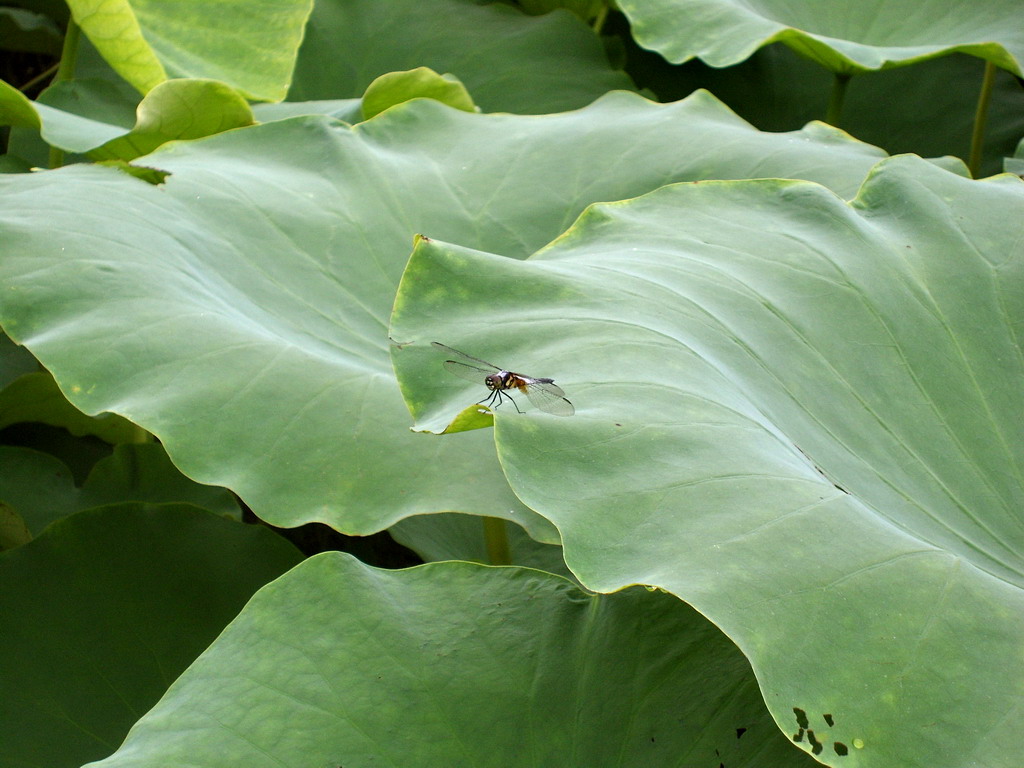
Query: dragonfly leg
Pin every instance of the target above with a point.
(488, 401)
(497, 398)
(506, 394)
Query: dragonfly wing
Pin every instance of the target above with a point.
(473, 373)
(464, 358)
(549, 397)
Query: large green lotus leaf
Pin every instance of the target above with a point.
(927, 109)
(251, 48)
(337, 663)
(239, 312)
(842, 37)
(40, 488)
(105, 609)
(801, 416)
(509, 62)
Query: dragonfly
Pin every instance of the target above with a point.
(543, 393)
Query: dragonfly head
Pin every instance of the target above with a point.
(498, 381)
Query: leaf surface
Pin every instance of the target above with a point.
(842, 37)
(458, 664)
(239, 312)
(105, 609)
(178, 110)
(422, 82)
(251, 48)
(799, 415)
(508, 62)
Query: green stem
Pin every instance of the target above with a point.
(69, 54)
(496, 536)
(836, 98)
(66, 71)
(981, 118)
(38, 78)
(599, 20)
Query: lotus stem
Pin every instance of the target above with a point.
(836, 98)
(39, 78)
(66, 71)
(496, 537)
(981, 119)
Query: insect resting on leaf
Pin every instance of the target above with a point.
(543, 393)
